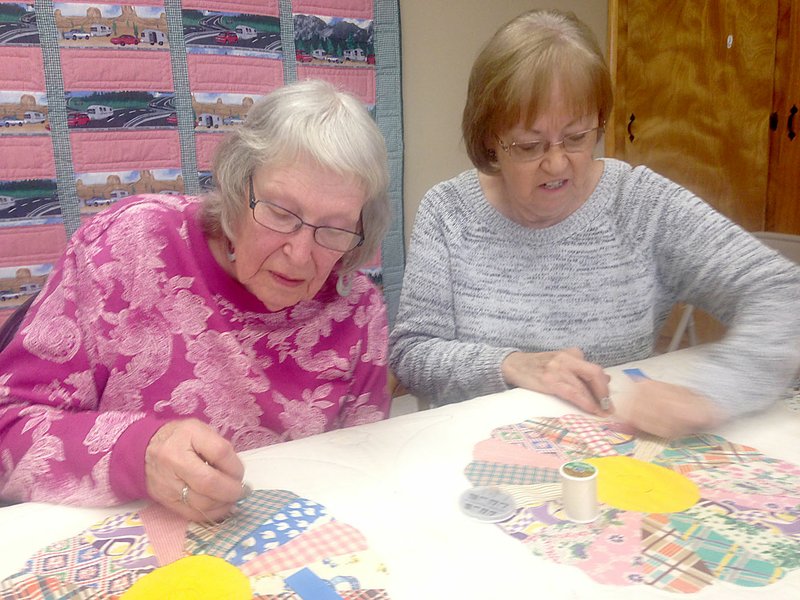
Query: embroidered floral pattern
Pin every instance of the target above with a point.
(139, 324)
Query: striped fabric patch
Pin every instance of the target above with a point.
(481, 472)
(670, 563)
(725, 559)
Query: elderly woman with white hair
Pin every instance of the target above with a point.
(178, 331)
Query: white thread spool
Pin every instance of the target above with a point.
(579, 491)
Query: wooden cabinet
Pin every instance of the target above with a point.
(783, 191)
(705, 91)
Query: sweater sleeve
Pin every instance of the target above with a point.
(426, 354)
(715, 265)
(55, 443)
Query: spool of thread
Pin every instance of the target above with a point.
(579, 491)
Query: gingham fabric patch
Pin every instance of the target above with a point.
(488, 473)
(331, 539)
(251, 512)
(288, 523)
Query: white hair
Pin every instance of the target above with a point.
(309, 119)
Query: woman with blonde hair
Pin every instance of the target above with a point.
(543, 264)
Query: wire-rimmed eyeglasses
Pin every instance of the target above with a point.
(579, 141)
(281, 220)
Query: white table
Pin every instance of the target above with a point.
(398, 481)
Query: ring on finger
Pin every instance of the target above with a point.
(185, 494)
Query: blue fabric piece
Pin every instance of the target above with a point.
(635, 374)
(284, 526)
(310, 587)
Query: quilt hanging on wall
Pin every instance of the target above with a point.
(99, 101)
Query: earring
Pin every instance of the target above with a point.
(230, 251)
(343, 285)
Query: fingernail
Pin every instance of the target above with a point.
(246, 490)
(605, 403)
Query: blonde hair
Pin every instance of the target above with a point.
(513, 77)
(309, 119)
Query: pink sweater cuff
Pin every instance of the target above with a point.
(127, 477)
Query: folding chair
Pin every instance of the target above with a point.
(785, 243)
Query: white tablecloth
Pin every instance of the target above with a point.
(398, 481)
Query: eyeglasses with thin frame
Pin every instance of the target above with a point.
(281, 220)
(579, 141)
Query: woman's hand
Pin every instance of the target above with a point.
(667, 410)
(190, 453)
(564, 373)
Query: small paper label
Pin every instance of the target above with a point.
(578, 469)
(487, 504)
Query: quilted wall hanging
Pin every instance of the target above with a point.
(99, 101)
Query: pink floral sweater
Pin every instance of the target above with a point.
(138, 325)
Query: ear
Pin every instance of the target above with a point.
(343, 285)
(491, 148)
(230, 250)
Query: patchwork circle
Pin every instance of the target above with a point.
(722, 511)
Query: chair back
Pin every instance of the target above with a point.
(9, 328)
(785, 243)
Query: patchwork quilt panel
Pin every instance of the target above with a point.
(99, 101)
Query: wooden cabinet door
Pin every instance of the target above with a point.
(694, 86)
(783, 193)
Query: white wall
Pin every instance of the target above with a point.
(440, 40)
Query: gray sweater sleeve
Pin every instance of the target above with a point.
(426, 354)
(478, 287)
(714, 264)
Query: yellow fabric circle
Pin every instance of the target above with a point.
(198, 577)
(630, 484)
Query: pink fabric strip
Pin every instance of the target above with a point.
(115, 70)
(27, 157)
(34, 245)
(250, 7)
(206, 144)
(117, 150)
(357, 9)
(360, 81)
(234, 74)
(166, 530)
(494, 450)
(23, 69)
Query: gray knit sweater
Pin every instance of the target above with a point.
(478, 286)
